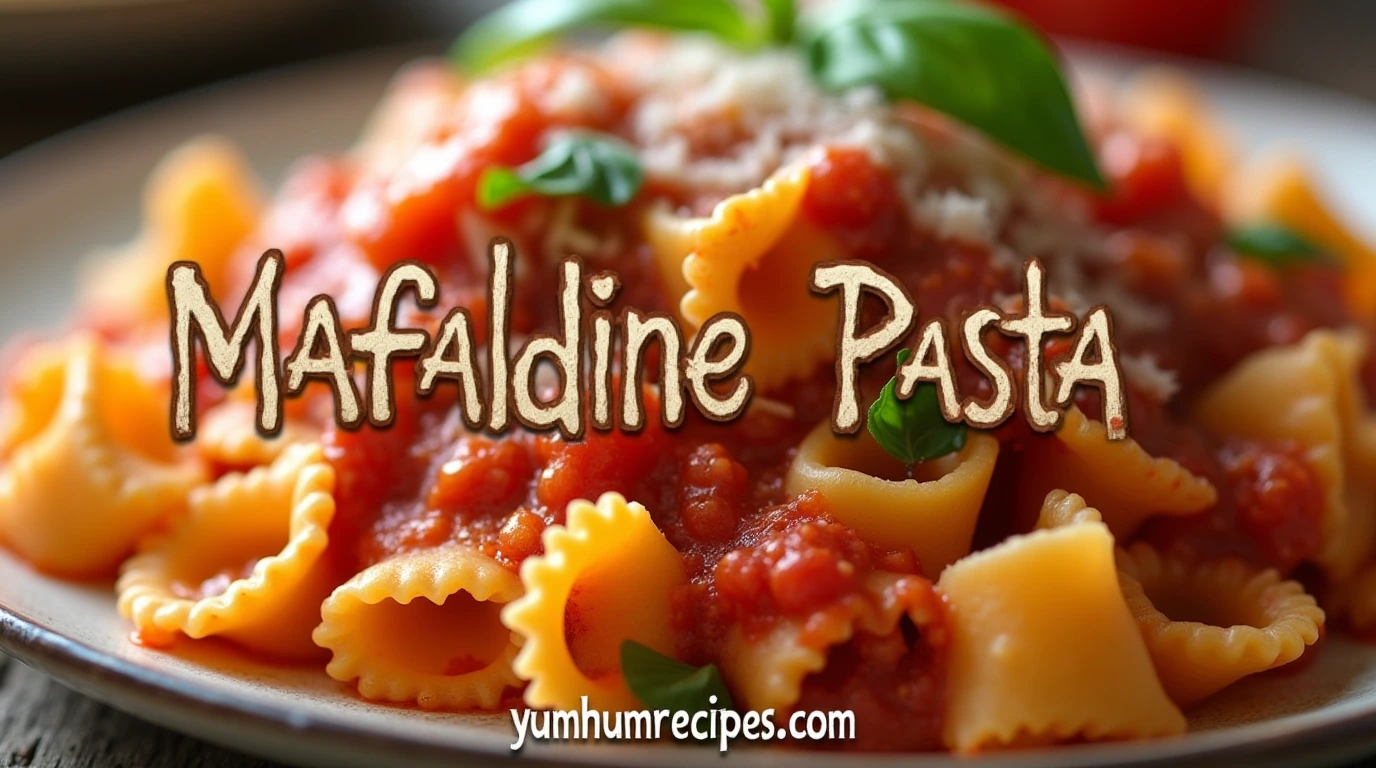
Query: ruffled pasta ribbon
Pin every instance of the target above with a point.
(1062, 508)
(767, 672)
(753, 256)
(1125, 483)
(606, 576)
(1209, 625)
(86, 471)
(1278, 188)
(424, 628)
(933, 514)
(228, 436)
(1309, 393)
(246, 562)
(200, 203)
(1164, 103)
(1043, 647)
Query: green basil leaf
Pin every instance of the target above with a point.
(1276, 245)
(664, 683)
(499, 186)
(782, 16)
(522, 26)
(595, 166)
(968, 60)
(913, 430)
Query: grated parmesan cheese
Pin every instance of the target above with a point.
(752, 113)
(1145, 375)
(954, 215)
(718, 122)
(575, 94)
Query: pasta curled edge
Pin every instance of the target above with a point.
(768, 672)
(579, 608)
(84, 476)
(423, 628)
(933, 514)
(1061, 508)
(200, 203)
(1208, 625)
(1043, 648)
(245, 563)
(228, 436)
(1120, 479)
(1310, 394)
(753, 257)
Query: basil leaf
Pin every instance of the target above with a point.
(600, 168)
(1275, 245)
(913, 430)
(664, 683)
(782, 16)
(970, 61)
(521, 26)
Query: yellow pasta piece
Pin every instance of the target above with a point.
(1061, 509)
(228, 436)
(933, 514)
(1164, 103)
(244, 564)
(424, 628)
(1120, 479)
(200, 203)
(671, 238)
(1278, 188)
(1208, 625)
(1308, 393)
(605, 577)
(754, 257)
(86, 475)
(34, 390)
(1043, 647)
(768, 671)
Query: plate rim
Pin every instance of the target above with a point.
(153, 696)
(160, 697)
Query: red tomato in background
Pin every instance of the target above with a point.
(1191, 27)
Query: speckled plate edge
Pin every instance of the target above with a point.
(283, 115)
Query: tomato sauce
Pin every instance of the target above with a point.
(754, 555)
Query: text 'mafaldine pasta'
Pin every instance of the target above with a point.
(706, 367)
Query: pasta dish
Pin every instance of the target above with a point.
(957, 587)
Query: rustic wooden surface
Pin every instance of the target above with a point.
(45, 725)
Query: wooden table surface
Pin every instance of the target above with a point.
(44, 725)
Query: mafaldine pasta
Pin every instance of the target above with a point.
(1080, 565)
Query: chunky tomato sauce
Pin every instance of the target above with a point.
(756, 556)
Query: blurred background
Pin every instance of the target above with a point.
(65, 62)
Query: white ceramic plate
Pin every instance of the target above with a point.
(80, 191)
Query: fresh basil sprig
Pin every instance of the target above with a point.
(782, 16)
(970, 61)
(1275, 245)
(977, 64)
(598, 167)
(521, 26)
(664, 683)
(913, 430)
